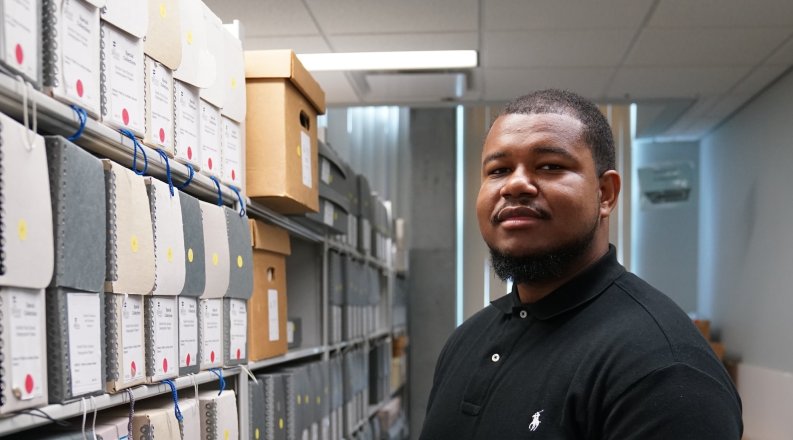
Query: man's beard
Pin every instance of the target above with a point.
(549, 265)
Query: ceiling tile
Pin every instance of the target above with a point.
(758, 79)
(725, 13)
(549, 48)
(266, 17)
(370, 17)
(506, 84)
(784, 55)
(501, 15)
(704, 47)
(417, 41)
(337, 88)
(419, 87)
(297, 44)
(661, 82)
(727, 105)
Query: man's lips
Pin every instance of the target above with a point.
(517, 212)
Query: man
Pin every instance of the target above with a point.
(581, 348)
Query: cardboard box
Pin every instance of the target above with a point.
(23, 368)
(216, 251)
(20, 38)
(267, 307)
(189, 342)
(218, 415)
(210, 126)
(187, 124)
(162, 338)
(124, 341)
(122, 70)
(70, 52)
(163, 34)
(169, 250)
(197, 66)
(195, 282)
(130, 17)
(232, 150)
(210, 327)
(365, 215)
(155, 423)
(235, 332)
(283, 101)
(333, 211)
(159, 99)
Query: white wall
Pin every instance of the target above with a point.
(665, 245)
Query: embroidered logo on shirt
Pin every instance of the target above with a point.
(535, 421)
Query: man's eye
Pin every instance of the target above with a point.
(497, 171)
(551, 167)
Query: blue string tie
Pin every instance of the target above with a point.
(220, 194)
(164, 157)
(175, 396)
(239, 197)
(129, 134)
(189, 178)
(83, 117)
(219, 373)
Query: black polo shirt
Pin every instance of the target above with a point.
(606, 356)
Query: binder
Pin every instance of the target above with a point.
(257, 422)
(169, 252)
(70, 52)
(210, 332)
(158, 98)
(187, 120)
(162, 338)
(25, 228)
(195, 280)
(23, 369)
(77, 188)
(130, 240)
(20, 38)
(75, 344)
(216, 251)
(241, 255)
(122, 70)
(335, 294)
(218, 415)
(124, 322)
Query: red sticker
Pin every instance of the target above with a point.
(238, 354)
(189, 153)
(188, 359)
(209, 163)
(80, 88)
(233, 175)
(212, 357)
(162, 135)
(28, 384)
(165, 365)
(19, 54)
(125, 116)
(134, 368)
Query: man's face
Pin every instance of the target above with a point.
(540, 191)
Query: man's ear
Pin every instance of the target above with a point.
(610, 185)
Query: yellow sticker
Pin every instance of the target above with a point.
(318, 400)
(226, 434)
(233, 83)
(22, 229)
(215, 259)
(239, 261)
(308, 401)
(134, 243)
(169, 254)
(298, 151)
(330, 178)
(162, 10)
(280, 423)
(299, 399)
(335, 215)
(189, 37)
(190, 255)
(256, 434)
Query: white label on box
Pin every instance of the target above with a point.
(272, 314)
(210, 138)
(186, 120)
(85, 342)
(238, 329)
(188, 331)
(305, 154)
(328, 213)
(212, 329)
(21, 29)
(290, 332)
(165, 336)
(160, 125)
(123, 58)
(27, 337)
(80, 54)
(325, 170)
(231, 153)
(132, 338)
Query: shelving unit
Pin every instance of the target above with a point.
(56, 118)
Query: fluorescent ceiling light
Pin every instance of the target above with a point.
(409, 60)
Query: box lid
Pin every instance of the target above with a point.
(328, 153)
(284, 64)
(164, 32)
(269, 238)
(341, 201)
(131, 17)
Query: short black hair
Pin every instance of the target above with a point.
(597, 132)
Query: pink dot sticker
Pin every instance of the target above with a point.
(133, 368)
(209, 163)
(212, 357)
(233, 175)
(19, 53)
(29, 384)
(125, 116)
(188, 359)
(162, 135)
(238, 354)
(189, 153)
(165, 365)
(79, 88)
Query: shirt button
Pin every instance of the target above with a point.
(524, 314)
(495, 357)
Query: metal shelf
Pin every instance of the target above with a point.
(25, 420)
(263, 213)
(288, 357)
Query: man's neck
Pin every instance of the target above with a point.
(534, 291)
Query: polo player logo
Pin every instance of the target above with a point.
(535, 421)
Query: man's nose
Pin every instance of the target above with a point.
(520, 183)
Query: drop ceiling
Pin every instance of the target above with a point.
(706, 58)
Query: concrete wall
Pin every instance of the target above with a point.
(665, 245)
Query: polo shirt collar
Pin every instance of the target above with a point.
(585, 286)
